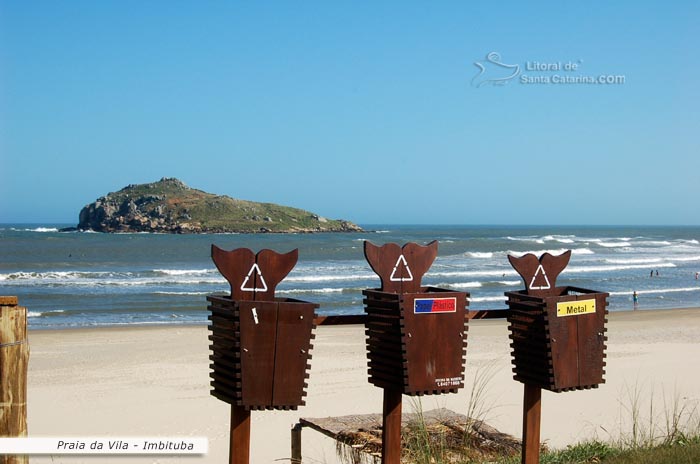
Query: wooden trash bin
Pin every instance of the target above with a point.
(416, 336)
(416, 342)
(260, 351)
(260, 344)
(558, 338)
(558, 342)
(558, 333)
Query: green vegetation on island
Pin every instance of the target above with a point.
(170, 206)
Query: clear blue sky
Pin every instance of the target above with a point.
(369, 111)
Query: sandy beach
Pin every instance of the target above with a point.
(154, 382)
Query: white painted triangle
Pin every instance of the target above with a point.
(393, 277)
(254, 288)
(544, 274)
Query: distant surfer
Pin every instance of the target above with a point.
(635, 300)
(696, 275)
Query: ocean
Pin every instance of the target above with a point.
(79, 279)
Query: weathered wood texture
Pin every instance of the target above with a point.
(400, 269)
(253, 276)
(404, 321)
(553, 350)
(363, 433)
(540, 274)
(296, 444)
(558, 353)
(260, 344)
(532, 415)
(239, 447)
(260, 351)
(391, 427)
(14, 358)
(402, 348)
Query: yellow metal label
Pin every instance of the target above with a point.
(575, 308)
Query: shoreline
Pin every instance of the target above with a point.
(166, 325)
(154, 381)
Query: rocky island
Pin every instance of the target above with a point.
(170, 206)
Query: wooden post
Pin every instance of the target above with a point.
(14, 357)
(532, 411)
(239, 448)
(296, 443)
(391, 427)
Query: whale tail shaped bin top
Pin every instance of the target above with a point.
(243, 269)
(391, 263)
(260, 344)
(540, 274)
(558, 333)
(416, 336)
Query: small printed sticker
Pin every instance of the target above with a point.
(434, 305)
(575, 308)
(448, 382)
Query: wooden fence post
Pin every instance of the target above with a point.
(532, 413)
(14, 357)
(391, 427)
(239, 449)
(296, 443)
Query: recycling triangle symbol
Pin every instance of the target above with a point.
(260, 279)
(401, 262)
(542, 275)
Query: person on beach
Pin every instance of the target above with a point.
(635, 300)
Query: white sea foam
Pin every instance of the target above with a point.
(179, 272)
(581, 269)
(105, 278)
(183, 293)
(480, 255)
(658, 291)
(558, 238)
(39, 313)
(461, 284)
(655, 243)
(574, 251)
(330, 278)
(487, 298)
(312, 290)
(61, 275)
(484, 273)
(634, 260)
(614, 244)
(36, 229)
(685, 258)
(525, 239)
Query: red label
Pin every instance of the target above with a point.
(434, 305)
